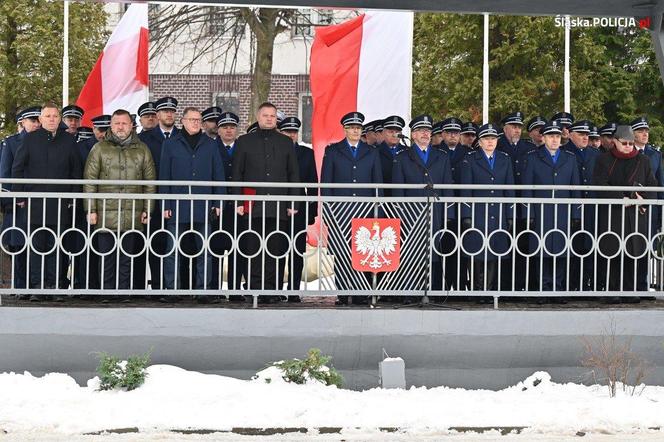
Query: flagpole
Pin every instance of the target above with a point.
(566, 74)
(65, 58)
(485, 73)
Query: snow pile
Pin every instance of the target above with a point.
(173, 398)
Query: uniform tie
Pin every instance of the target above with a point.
(167, 135)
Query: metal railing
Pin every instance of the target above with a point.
(461, 245)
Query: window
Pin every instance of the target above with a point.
(306, 112)
(221, 22)
(302, 26)
(228, 102)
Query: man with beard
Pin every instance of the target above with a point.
(120, 156)
(210, 118)
(606, 136)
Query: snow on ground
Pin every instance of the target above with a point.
(173, 398)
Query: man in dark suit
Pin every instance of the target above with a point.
(306, 214)
(581, 269)
(548, 166)
(231, 223)
(154, 139)
(266, 156)
(29, 119)
(51, 154)
(348, 161)
(388, 149)
(456, 265)
(423, 164)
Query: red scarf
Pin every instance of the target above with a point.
(624, 156)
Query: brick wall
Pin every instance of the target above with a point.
(201, 90)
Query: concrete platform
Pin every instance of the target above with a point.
(473, 347)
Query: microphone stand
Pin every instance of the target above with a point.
(431, 194)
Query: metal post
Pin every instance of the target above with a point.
(485, 73)
(65, 57)
(567, 76)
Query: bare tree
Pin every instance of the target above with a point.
(218, 32)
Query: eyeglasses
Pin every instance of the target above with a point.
(193, 120)
(627, 143)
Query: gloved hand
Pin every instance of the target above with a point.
(466, 223)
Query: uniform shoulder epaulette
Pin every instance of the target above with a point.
(571, 153)
(503, 153)
(400, 152)
(530, 152)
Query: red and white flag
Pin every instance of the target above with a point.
(364, 65)
(119, 79)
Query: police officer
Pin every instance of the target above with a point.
(451, 131)
(581, 269)
(424, 164)
(437, 134)
(565, 119)
(71, 118)
(486, 166)
(551, 165)
(511, 143)
(469, 134)
(210, 119)
(154, 139)
(306, 214)
(253, 127)
(100, 125)
(84, 133)
(392, 127)
(593, 138)
(641, 131)
(14, 241)
(231, 222)
(456, 265)
(533, 126)
(147, 114)
(348, 161)
(378, 129)
(370, 133)
(606, 136)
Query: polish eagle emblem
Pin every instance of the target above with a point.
(374, 247)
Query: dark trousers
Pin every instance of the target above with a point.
(158, 244)
(295, 262)
(551, 276)
(482, 276)
(263, 272)
(623, 276)
(49, 269)
(116, 266)
(455, 265)
(85, 270)
(15, 241)
(234, 225)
